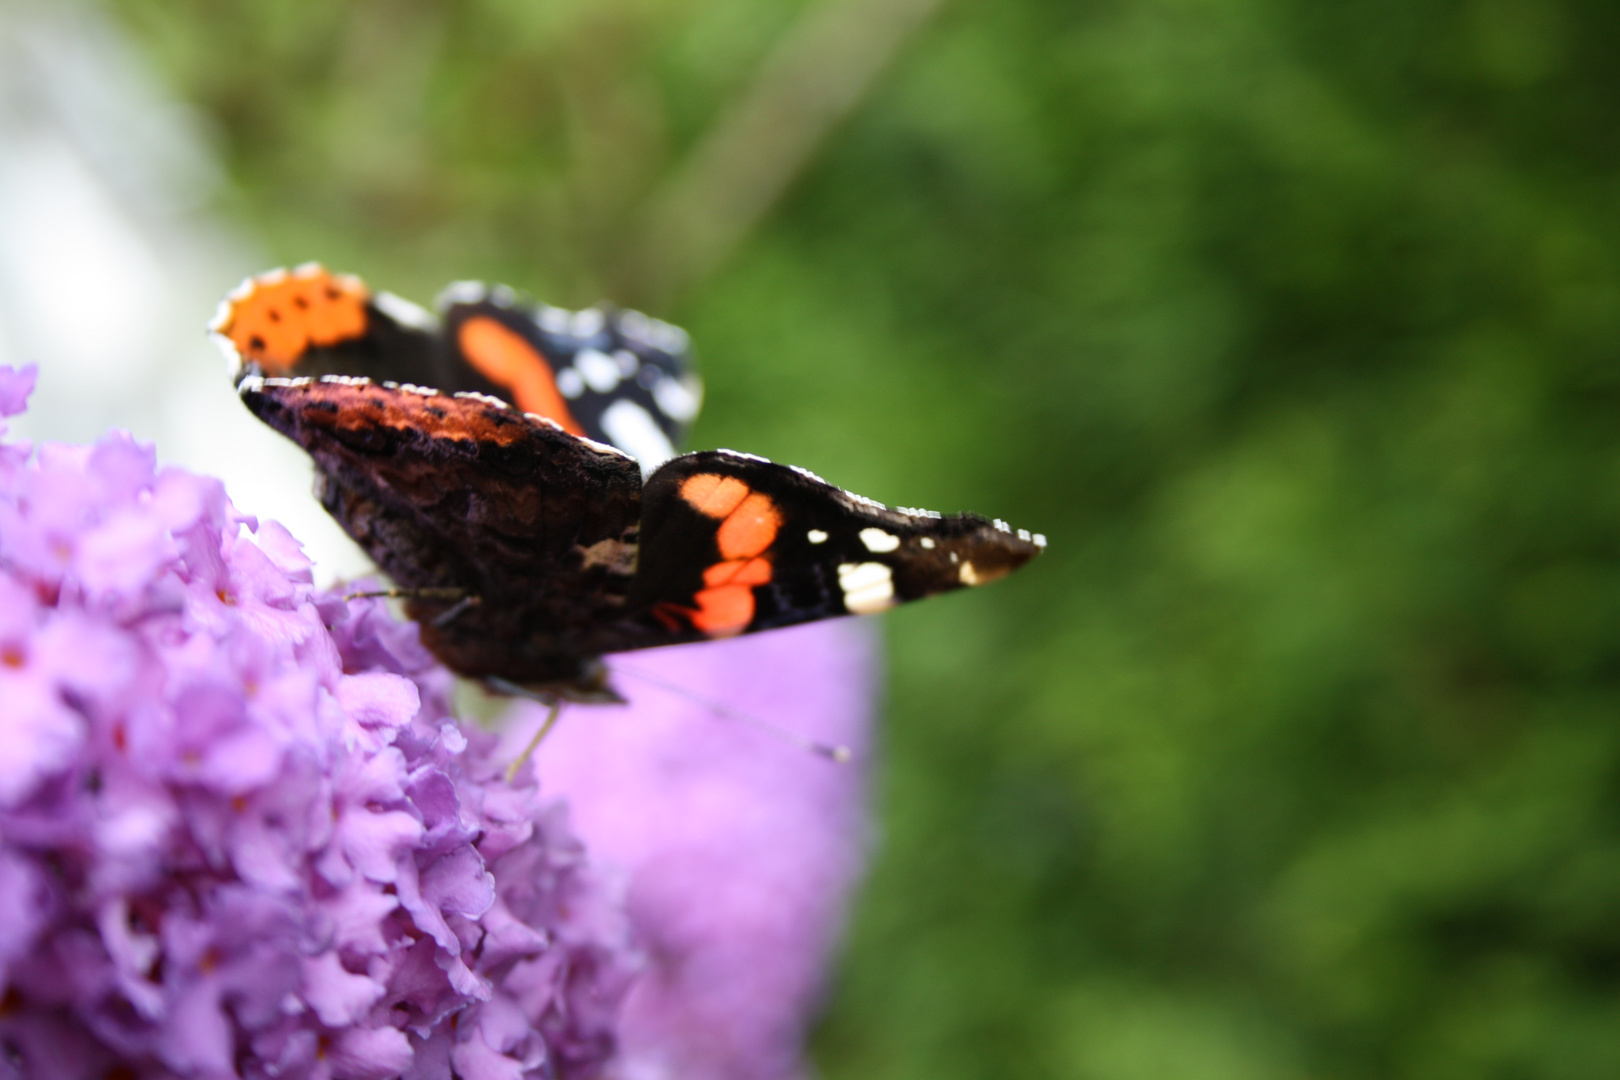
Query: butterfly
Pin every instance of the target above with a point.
(512, 467)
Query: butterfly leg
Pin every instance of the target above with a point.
(448, 593)
(448, 616)
(463, 599)
(553, 703)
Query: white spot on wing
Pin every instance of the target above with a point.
(927, 542)
(598, 369)
(877, 540)
(680, 399)
(569, 383)
(672, 339)
(868, 587)
(587, 323)
(1039, 540)
(222, 315)
(743, 456)
(553, 320)
(604, 448)
(816, 536)
(462, 292)
(474, 395)
(634, 430)
(862, 500)
(404, 312)
(628, 362)
(967, 575)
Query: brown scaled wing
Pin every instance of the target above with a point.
(466, 493)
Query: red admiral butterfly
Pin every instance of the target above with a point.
(487, 459)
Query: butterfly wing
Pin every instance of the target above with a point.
(617, 377)
(466, 494)
(732, 544)
(311, 322)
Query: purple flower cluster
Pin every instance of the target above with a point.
(239, 833)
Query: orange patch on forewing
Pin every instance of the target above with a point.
(725, 604)
(724, 611)
(507, 360)
(749, 529)
(738, 572)
(713, 495)
(279, 320)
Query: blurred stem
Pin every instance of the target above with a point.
(735, 174)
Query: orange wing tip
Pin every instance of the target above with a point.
(272, 319)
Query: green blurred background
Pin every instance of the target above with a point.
(1292, 324)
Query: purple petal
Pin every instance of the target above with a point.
(198, 1033)
(379, 699)
(39, 738)
(285, 552)
(373, 841)
(369, 1054)
(338, 996)
(475, 1060)
(356, 918)
(16, 384)
(124, 466)
(458, 884)
(27, 905)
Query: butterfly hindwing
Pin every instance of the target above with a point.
(732, 543)
(465, 494)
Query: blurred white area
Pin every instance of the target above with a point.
(111, 265)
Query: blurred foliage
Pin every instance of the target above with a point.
(1293, 325)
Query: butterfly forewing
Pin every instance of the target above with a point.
(613, 376)
(732, 543)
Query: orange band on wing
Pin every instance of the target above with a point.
(724, 611)
(713, 495)
(749, 529)
(282, 317)
(738, 572)
(749, 522)
(507, 360)
(725, 604)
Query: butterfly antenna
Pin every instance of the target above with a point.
(834, 752)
